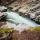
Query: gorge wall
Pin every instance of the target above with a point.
(5, 2)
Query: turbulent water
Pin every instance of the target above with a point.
(14, 17)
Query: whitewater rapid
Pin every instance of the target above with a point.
(15, 17)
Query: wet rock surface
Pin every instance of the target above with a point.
(2, 23)
(6, 2)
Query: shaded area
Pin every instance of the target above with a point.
(6, 2)
(2, 23)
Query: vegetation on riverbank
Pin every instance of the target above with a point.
(14, 35)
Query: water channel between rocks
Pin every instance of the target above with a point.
(22, 23)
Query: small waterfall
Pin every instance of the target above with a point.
(14, 17)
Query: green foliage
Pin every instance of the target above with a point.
(36, 28)
(6, 30)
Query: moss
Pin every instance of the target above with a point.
(6, 30)
(36, 28)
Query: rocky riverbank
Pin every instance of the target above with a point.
(30, 9)
(11, 34)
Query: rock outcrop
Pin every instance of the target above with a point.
(6, 2)
(30, 8)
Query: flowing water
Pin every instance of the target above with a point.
(23, 23)
(15, 17)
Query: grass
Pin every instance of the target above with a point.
(5, 30)
(36, 28)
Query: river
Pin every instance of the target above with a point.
(15, 17)
(18, 22)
